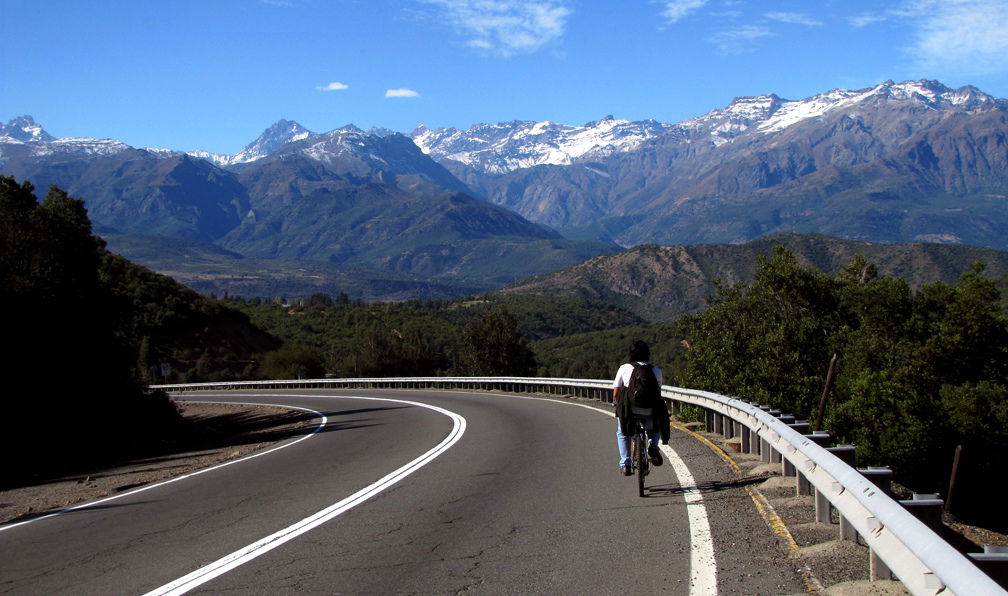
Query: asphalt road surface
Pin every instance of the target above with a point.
(417, 492)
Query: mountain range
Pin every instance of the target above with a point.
(898, 162)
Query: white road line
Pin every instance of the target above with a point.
(260, 547)
(185, 476)
(703, 565)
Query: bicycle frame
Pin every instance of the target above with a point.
(639, 456)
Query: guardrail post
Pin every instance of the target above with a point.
(803, 486)
(847, 531)
(822, 508)
(928, 509)
(846, 454)
(880, 476)
(775, 456)
(788, 468)
(877, 569)
(993, 561)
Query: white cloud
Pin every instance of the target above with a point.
(401, 93)
(863, 20)
(740, 39)
(677, 9)
(794, 18)
(964, 37)
(333, 86)
(506, 27)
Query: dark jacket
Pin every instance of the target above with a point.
(659, 415)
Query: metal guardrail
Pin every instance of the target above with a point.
(900, 544)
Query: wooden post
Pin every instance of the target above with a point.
(825, 393)
(952, 479)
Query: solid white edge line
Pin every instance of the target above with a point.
(191, 474)
(703, 565)
(264, 545)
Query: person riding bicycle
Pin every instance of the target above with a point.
(652, 411)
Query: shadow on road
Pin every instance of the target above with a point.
(713, 486)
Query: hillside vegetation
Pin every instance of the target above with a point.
(87, 330)
(920, 372)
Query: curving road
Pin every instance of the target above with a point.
(417, 492)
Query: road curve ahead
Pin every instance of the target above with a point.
(419, 492)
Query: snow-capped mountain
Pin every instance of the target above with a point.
(271, 140)
(30, 135)
(24, 129)
(896, 162)
(769, 113)
(495, 149)
(508, 146)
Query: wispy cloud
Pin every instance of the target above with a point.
(506, 27)
(738, 40)
(793, 18)
(675, 10)
(401, 92)
(962, 36)
(333, 86)
(863, 20)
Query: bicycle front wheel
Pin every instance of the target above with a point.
(642, 462)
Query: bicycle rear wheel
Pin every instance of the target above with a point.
(641, 461)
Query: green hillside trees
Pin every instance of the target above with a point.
(919, 373)
(79, 396)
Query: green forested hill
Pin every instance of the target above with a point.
(352, 338)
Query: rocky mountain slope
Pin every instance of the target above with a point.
(346, 197)
(664, 282)
(899, 162)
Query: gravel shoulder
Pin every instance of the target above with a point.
(216, 433)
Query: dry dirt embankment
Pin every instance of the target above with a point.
(215, 433)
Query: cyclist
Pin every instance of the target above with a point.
(655, 418)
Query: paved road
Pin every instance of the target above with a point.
(490, 493)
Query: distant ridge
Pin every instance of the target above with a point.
(664, 282)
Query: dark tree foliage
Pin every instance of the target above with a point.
(293, 361)
(166, 323)
(919, 373)
(80, 396)
(493, 346)
(598, 354)
(767, 340)
(423, 338)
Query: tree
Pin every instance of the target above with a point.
(493, 346)
(59, 326)
(293, 361)
(769, 341)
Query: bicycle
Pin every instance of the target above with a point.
(639, 455)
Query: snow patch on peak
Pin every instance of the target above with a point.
(507, 146)
(25, 130)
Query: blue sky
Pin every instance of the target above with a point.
(212, 74)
